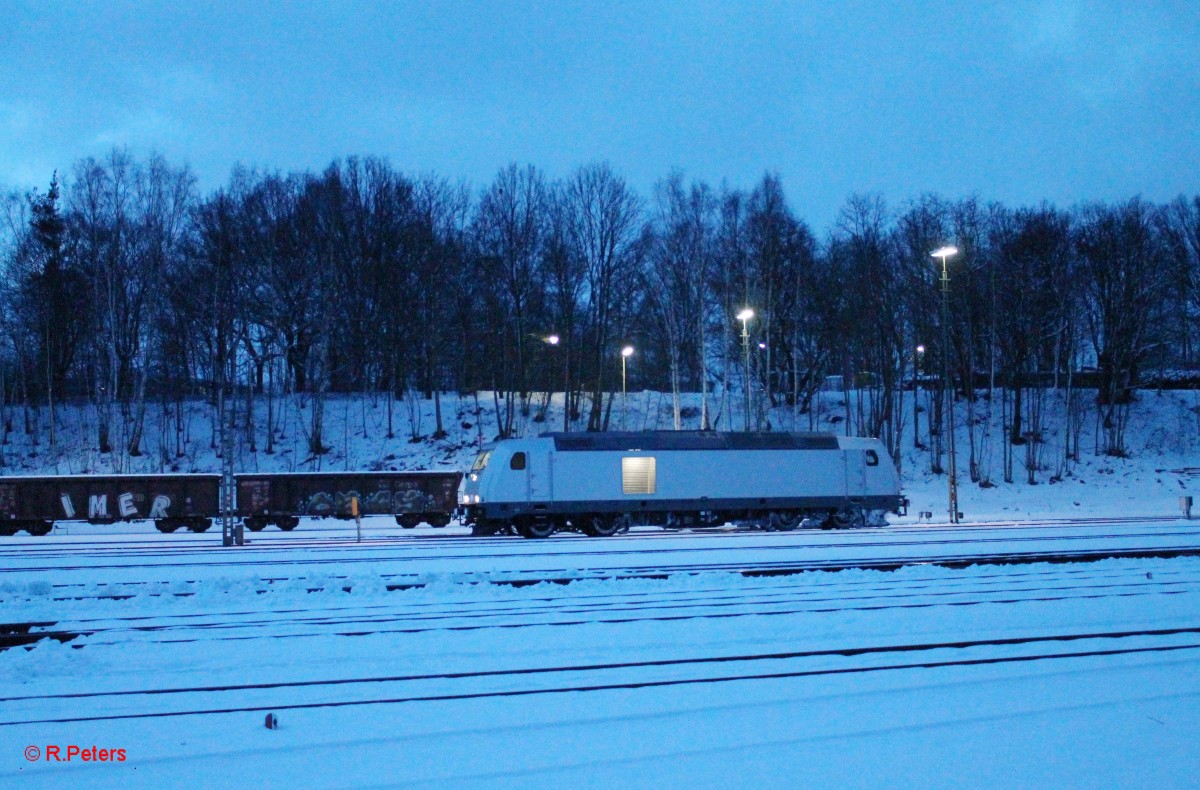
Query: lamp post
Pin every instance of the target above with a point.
(745, 316)
(626, 353)
(553, 340)
(952, 478)
(918, 358)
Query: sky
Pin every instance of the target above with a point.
(1015, 101)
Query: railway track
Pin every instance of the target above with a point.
(123, 590)
(345, 537)
(640, 675)
(610, 610)
(603, 547)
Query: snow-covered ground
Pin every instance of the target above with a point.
(1081, 675)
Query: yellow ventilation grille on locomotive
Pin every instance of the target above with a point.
(637, 475)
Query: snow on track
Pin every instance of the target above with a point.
(1067, 674)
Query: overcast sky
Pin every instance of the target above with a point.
(1015, 101)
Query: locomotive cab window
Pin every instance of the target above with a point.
(518, 462)
(481, 461)
(638, 475)
(872, 458)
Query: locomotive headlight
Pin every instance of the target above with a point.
(474, 478)
(478, 499)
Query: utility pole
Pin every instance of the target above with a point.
(232, 533)
(744, 317)
(626, 353)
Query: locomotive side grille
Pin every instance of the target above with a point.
(637, 475)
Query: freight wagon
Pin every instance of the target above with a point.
(170, 501)
(281, 499)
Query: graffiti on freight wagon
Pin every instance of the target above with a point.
(331, 503)
(125, 506)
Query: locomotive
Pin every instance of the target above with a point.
(602, 483)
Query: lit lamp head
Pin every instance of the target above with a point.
(627, 351)
(745, 315)
(552, 340)
(944, 253)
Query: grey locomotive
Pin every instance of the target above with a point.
(602, 483)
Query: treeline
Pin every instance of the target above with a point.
(126, 288)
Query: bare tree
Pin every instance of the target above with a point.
(1122, 261)
(508, 233)
(679, 261)
(604, 231)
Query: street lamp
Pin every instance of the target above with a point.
(554, 340)
(952, 478)
(626, 353)
(918, 360)
(745, 316)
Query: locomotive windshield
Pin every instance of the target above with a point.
(481, 461)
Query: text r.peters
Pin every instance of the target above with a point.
(92, 755)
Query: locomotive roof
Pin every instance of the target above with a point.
(692, 440)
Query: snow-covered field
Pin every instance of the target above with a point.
(1081, 675)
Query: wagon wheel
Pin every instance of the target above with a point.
(599, 526)
(39, 529)
(288, 523)
(255, 524)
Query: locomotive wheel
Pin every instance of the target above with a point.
(846, 517)
(790, 521)
(535, 528)
(601, 526)
(483, 529)
(783, 522)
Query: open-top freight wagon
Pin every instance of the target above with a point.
(34, 504)
(281, 499)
